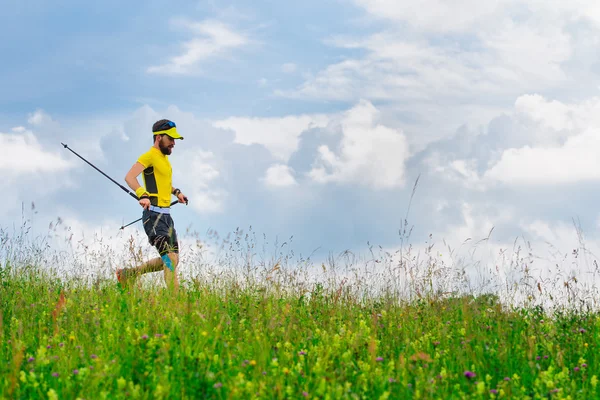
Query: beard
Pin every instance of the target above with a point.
(166, 150)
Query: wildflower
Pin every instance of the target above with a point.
(75, 371)
(52, 395)
(302, 353)
(576, 369)
(379, 359)
(304, 394)
(61, 344)
(218, 385)
(538, 357)
(584, 365)
(507, 379)
(493, 391)
(31, 359)
(581, 330)
(157, 335)
(48, 347)
(545, 357)
(94, 356)
(469, 374)
(145, 337)
(55, 374)
(391, 380)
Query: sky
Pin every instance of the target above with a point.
(330, 123)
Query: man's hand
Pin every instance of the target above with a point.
(182, 199)
(145, 203)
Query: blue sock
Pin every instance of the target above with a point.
(167, 261)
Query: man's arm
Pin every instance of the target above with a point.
(131, 178)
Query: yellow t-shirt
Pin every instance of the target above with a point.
(157, 176)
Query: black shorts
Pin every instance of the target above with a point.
(160, 229)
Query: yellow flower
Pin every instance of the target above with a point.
(121, 383)
(252, 362)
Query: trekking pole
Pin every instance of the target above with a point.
(116, 183)
(93, 166)
(139, 219)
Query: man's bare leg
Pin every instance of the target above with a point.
(154, 265)
(171, 279)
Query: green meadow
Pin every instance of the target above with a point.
(408, 330)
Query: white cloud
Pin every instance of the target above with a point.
(200, 171)
(439, 16)
(564, 143)
(21, 153)
(279, 175)
(288, 68)
(506, 62)
(211, 39)
(278, 135)
(369, 153)
(576, 161)
(39, 117)
(435, 15)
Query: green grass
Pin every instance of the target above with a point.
(224, 340)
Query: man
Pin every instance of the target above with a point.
(155, 199)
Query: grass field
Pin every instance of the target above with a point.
(229, 338)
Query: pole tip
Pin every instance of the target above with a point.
(63, 144)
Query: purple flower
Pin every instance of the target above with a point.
(218, 385)
(493, 391)
(31, 359)
(94, 356)
(507, 379)
(391, 380)
(75, 371)
(304, 394)
(538, 357)
(583, 365)
(436, 343)
(48, 347)
(302, 353)
(145, 337)
(61, 344)
(55, 374)
(545, 357)
(379, 359)
(158, 335)
(469, 374)
(576, 369)
(581, 330)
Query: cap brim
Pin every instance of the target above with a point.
(170, 132)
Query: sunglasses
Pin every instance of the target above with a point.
(167, 126)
